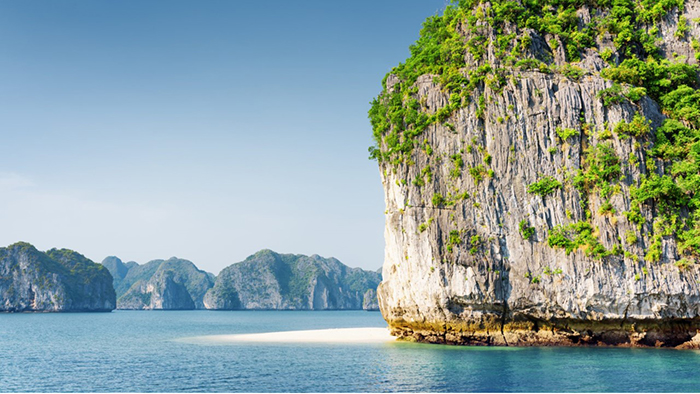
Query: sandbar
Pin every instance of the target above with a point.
(333, 335)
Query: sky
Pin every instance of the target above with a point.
(206, 130)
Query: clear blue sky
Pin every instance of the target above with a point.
(205, 130)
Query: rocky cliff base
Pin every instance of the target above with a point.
(682, 334)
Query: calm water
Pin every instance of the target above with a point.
(139, 351)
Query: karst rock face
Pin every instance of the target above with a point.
(58, 280)
(269, 280)
(530, 199)
(173, 284)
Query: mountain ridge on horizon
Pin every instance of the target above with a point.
(179, 284)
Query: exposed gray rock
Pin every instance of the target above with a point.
(116, 267)
(159, 284)
(267, 280)
(369, 301)
(54, 281)
(492, 286)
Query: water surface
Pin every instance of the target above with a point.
(143, 351)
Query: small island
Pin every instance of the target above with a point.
(59, 280)
(174, 284)
(269, 280)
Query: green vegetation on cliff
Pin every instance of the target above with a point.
(56, 280)
(159, 284)
(475, 48)
(396, 116)
(268, 280)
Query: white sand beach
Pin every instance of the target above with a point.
(335, 335)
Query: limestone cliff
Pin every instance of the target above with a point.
(54, 281)
(159, 284)
(539, 169)
(268, 280)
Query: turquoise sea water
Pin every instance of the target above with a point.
(140, 351)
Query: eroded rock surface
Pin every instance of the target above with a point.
(268, 280)
(59, 280)
(458, 268)
(159, 284)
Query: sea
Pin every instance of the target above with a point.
(149, 351)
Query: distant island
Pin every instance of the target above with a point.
(62, 280)
(265, 280)
(159, 284)
(268, 280)
(59, 280)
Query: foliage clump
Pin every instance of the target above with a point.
(478, 173)
(577, 235)
(544, 186)
(454, 239)
(525, 230)
(639, 127)
(601, 167)
(458, 164)
(438, 200)
(566, 133)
